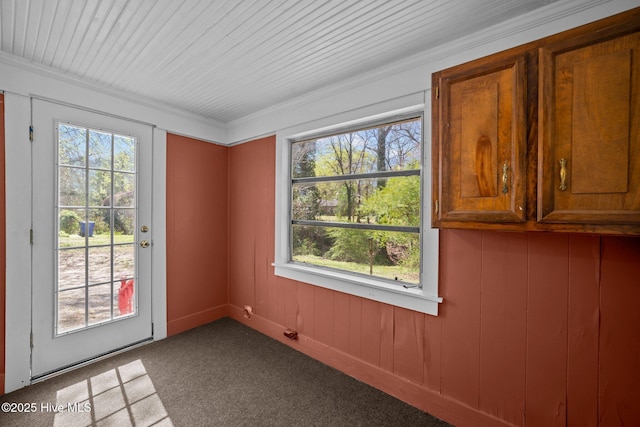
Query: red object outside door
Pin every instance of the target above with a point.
(125, 296)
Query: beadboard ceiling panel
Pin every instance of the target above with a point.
(226, 59)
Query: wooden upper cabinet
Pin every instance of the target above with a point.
(478, 145)
(589, 131)
(544, 136)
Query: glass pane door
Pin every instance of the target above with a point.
(92, 235)
(96, 207)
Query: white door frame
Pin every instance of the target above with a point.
(18, 205)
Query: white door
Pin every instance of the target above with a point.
(91, 282)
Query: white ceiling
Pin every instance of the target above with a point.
(227, 59)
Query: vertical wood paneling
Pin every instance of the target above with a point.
(241, 271)
(619, 390)
(275, 299)
(305, 314)
(251, 183)
(260, 271)
(387, 336)
(583, 333)
(263, 193)
(408, 345)
(355, 326)
(546, 393)
(503, 325)
(274, 292)
(432, 350)
(460, 258)
(370, 332)
(323, 310)
(243, 161)
(289, 302)
(518, 326)
(341, 321)
(196, 278)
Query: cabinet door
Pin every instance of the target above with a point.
(589, 130)
(478, 144)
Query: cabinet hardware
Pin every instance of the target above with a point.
(505, 179)
(563, 174)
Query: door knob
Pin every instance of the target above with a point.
(144, 243)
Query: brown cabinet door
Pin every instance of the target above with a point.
(478, 143)
(589, 132)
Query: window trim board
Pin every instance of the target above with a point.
(410, 298)
(425, 299)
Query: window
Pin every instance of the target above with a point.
(350, 209)
(355, 201)
(96, 206)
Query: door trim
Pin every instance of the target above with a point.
(18, 201)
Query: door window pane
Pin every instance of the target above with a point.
(72, 186)
(99, 303)
(71, 310)
(99, 264)
(71, 145)
(123, 189)
(96, 248)
(123, 261)
(125, 153)
(99, 149)
(71, 268)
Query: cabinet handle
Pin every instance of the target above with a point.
(563, 174)
(505, 179)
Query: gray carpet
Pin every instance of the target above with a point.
(219, 374)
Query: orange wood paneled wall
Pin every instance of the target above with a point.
(196, 233)
(536, 329)
(3, 247)
(251, 223)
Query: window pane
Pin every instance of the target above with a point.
(124, 297)
(71, 309)
(388, 147)
(123, 262)
(96, 249)
(72, 186)
(390, 255)
(99, 188)
(123, 189)
(124, 225)
(124, 153)
(71, 268)
(383, 201)
(99, 150)
(70, 227)
(72, 148)
(99, 222)
(374, 200)
(99, 264)
(100, 303)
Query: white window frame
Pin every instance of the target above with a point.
(423, 299)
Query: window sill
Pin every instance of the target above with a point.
(409, 298)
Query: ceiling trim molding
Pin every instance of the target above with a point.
(52, 73)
